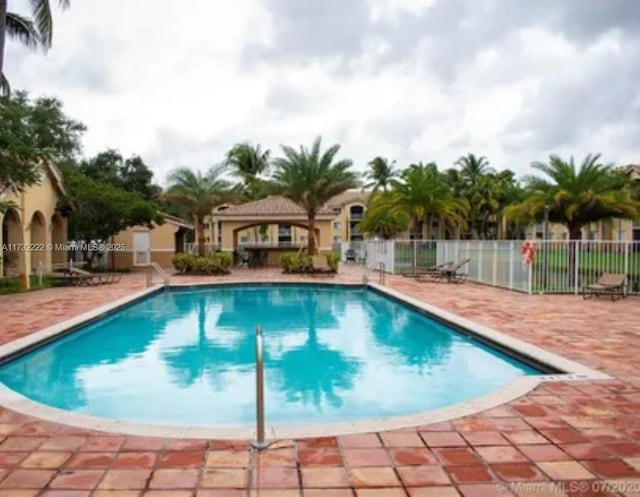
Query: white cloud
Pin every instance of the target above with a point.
(172, 81)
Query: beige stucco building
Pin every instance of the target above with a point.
(138, 246)
(33, 232)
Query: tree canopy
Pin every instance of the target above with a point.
(98, 210)
(35, 31)
(576, 195)
(32, 132)
(311, 177)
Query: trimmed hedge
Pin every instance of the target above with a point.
(294, 262)
(218, 263)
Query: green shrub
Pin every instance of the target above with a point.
(218, 263)
(294, 262)
(12, 284)
(333, 260)
(180, 261)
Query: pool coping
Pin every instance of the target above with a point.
(571, 371)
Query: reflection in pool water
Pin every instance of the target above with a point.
(331, 354)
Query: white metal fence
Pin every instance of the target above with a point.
(557, 266)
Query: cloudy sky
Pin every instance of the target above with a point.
(413, 80)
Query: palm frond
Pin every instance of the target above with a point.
(22, 29)
(5, 87)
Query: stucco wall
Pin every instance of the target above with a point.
(39, 200)
(161, 242)
(323, 228)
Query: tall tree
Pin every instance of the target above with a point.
(130, 174)
(35, 32)
(32, 131)
(472, 168)
(198, 194)
(576, 195)
(97, 210)
(380, 173)
(249, 163)
(381, 221)
(310, 178)
(475, 183)
(423, 191)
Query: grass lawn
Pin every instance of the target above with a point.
(12, 284)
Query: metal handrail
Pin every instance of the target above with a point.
(259, 442)
(382, 277)
(163, 274)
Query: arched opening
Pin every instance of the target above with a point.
(12, 256)
(58, 239)
(261, 244)
(38, 231)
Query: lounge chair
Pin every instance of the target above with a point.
(451, 272)
(608, 284)
(68, 278)
(320, 266)
(97, 278)
(420, 272)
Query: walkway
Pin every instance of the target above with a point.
(579, 435)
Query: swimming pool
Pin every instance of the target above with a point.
(332, 354)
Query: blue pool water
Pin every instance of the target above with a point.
(331, 354)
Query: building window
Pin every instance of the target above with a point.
(622, 235)
(337, 239)
(284, 235)
(337, 225)
(355, 216)
(565, 236)
(593, 235)
(206, 226)
(337, 210)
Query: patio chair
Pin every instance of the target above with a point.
(420, 272)
(320, 266)
(451, 273)
(350, 255)
(608, 284)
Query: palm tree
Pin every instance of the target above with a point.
(380, 173)
(249, 163)
(198, 194)
(310, 178)
(36, 32)
(423, 191)
(472, 168)
(381, 221)
(474, 183)
(576, 196)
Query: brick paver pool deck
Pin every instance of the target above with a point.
(562, 439)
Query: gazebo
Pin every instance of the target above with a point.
(273, 210)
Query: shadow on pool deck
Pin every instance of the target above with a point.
(579, 431)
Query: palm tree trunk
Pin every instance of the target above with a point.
(3, 30)
(200, 222)
(312, 234)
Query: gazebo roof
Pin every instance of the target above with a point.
(272, 206)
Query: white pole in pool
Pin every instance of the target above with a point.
(259, 443)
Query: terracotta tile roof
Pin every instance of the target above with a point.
(349, 197)
(273, 205)
(634, 169)
(177, 220)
